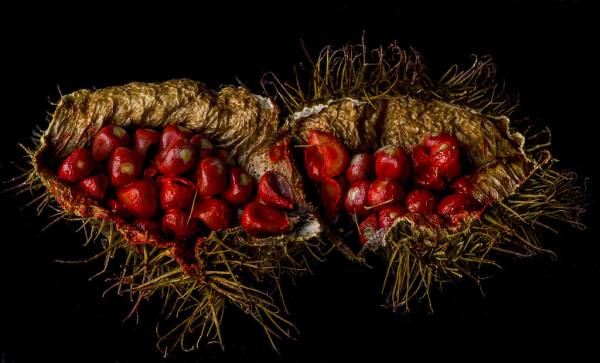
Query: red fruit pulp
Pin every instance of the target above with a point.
(177, 158)
(388, 215)
(95, 186)
(212, 177)
(76, 166)
(356, 199)
(177, 225)
(392, 162)
(213, 212)
(175, 192)
(360, 167)
(172, 133)
(139, 198)
(384, 191)
(240, 187)
(259, 219)
(274, 190)
(107, 140)
(327, 157)
(144, 139)
(420, 201)
(124, 166)
(367, 228)
(332, 196)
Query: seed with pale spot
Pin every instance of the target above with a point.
(353, 194)
(184, 129)
(368, 232)
(218, 166)
(244, 179)
(205, 144)
(118, 131)
(80, 164)
(186, 155)
(127, 168)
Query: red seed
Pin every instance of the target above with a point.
(426, 176)
(116, 207)
(356, 199)
(360, 167)
(124, 166)
(144, 139)
(275, 191)
(454, 208)
(327, 158)
(213, 212)
(332, 197)
(384, 191)
(76, 166)
(367, 228)
(147, 225)
(107, 140)
(212, 177)
(177, 158)
(420, 201)
(240, 187)
(150, 173)
(261, 219)
(177, 225)
(392, 162)
(463, 185)
(172, 133)
(225, 157)
(175, 192)
(388, 215)
(95, 186)
(204, 146)
(139, 198)
(445, 155)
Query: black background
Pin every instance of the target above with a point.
(546, 51)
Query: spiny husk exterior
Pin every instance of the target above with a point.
(369, 99)
(232, 268)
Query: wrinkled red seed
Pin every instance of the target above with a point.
(178, 225)
(445, 155)
(420, 201)
(213, 212)
(332, 196)
(177, 158)
(175, 192)
(204, 146)
(367, 228)
(212, 177)
(95, 186)
(172, 133)
(124, 166)
(452, 204)
(360, 167)
(140, 198)
(392, 162)
(147, 225)
(144, 139)
(274, 190)
(240, 187)
(258, 219)
(388, 215)
(384, 191)
(76, 166)
(356, 199)
(107, 140)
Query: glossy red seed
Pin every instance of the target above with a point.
(76, 166)
(124, 166)
(426, 176)
(275, 191)
(240, 187)
(178, 225)
(392, 162)
(140, 198)
(327, 157)
(175, 192)
(212, 177)
(452, 204)
(150, 173)
(356, 199)
(172, 133)
(177, 158)
(332, 197)
(360, 167)
(95, 186)
(420, 201)
(262, 219)
(389, 214)
(384, 191)
(144, 139)
(214, 213)
(204, 146)
(107, 140)
(445, 155)
(367, 228)
(147, 225)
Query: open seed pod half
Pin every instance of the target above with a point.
(410, 143)
(197, 276)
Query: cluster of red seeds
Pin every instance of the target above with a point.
(377, 189)
(175, 183)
